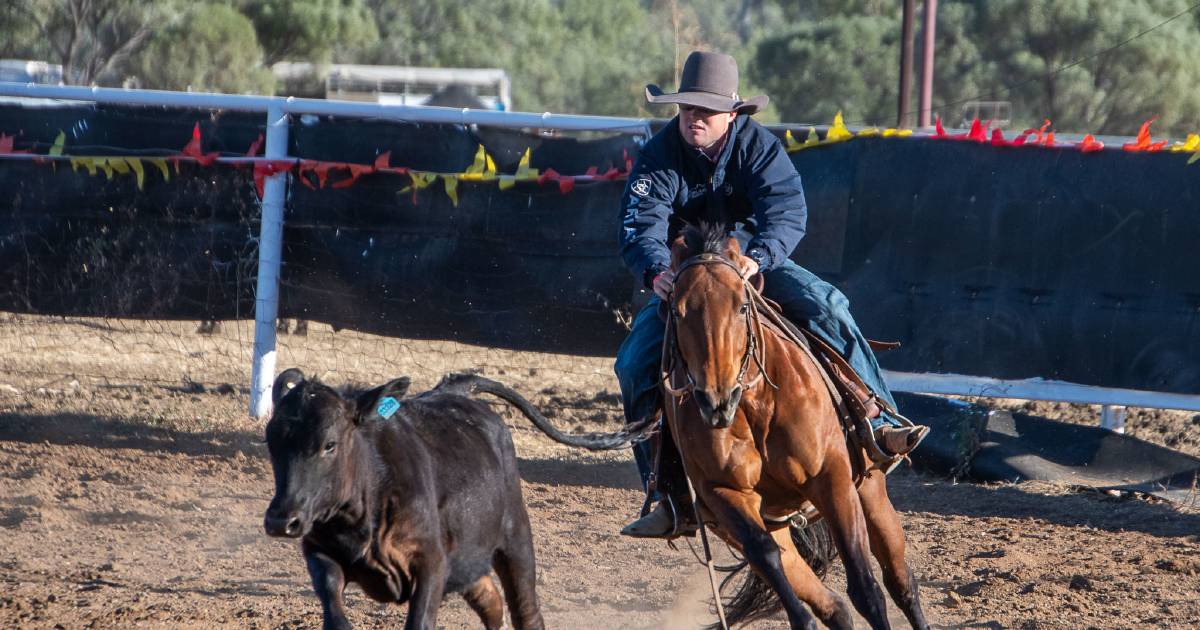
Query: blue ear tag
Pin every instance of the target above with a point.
(387, 407)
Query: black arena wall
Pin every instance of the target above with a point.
(987, 261)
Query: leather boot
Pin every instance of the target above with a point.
(900, 440)
(659, 524)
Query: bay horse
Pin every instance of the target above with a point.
(759, 434)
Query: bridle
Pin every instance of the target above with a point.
(671, 358)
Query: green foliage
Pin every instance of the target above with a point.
(92, 40)
(207, 48)
(1029, 43)
(310, 30)
(844, 55)
(826, 66)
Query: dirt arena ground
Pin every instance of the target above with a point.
(132, 488)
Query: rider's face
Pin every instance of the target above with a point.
(702, 127)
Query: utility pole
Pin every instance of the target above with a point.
(925, 104)
(906, 64)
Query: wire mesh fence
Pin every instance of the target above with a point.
(80, 363)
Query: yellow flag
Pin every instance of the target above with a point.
(451, 182)
(136, 165)
(838, 131)
(59, 142)
(868, 132)
(524, 173)
(790, 141)
(420, 179)
(161, 163)
(86, 162)
(812, 140)
(507, 181)
(483, 168)
(119, 165)
(1191, 144)
(893, 132)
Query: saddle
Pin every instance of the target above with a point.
(856, 404)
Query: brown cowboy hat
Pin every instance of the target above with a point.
(709, 80)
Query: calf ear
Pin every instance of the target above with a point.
(382, 402)
(286, 381)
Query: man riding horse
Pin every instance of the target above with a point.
(714, 163)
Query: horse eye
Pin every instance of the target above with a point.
(745, 308)
(329, 446)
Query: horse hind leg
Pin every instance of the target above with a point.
(888, 547)
(737, 515)
(836, 499)
(485, 600)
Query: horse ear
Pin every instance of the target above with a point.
(678, 247)
(286, 381)
(757, 281)
(382, 402)
(733, 249)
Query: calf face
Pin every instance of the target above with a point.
(311, 439)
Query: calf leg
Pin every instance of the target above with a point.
(887, 545)
(516, 567)
(737, 513)
(485, 600)
(430, 577)
(329, 582)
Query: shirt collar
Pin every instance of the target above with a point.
(713, 152)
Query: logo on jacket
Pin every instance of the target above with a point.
(641, 187)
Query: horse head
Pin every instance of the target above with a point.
(711, 314)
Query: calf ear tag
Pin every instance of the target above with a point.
(387, 407)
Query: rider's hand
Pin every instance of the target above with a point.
(663, 284)
(749, 267)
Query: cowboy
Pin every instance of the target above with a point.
(713, 162)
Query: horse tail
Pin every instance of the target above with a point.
(753, 598)
(467, 384)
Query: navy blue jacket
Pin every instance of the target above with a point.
(753, 188)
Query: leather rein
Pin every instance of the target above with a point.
(755, 349)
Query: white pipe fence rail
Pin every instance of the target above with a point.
(278, 109)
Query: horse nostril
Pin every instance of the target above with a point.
(704, 401)
(735, 396)
(293, 527)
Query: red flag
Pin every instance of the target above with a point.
(978, 131)
(263, 170)
(1090, 144)
(254, 146)
(1143, 140)
(192, 149)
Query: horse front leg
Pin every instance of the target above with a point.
(737, 513)
(835, 496)
(888, 547)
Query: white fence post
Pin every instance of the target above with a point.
(1112, 417)
(270, 253)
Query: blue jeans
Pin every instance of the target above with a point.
(806, 300)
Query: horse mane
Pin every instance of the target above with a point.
(704, 238)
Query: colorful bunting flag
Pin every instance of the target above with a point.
(1143, 143)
